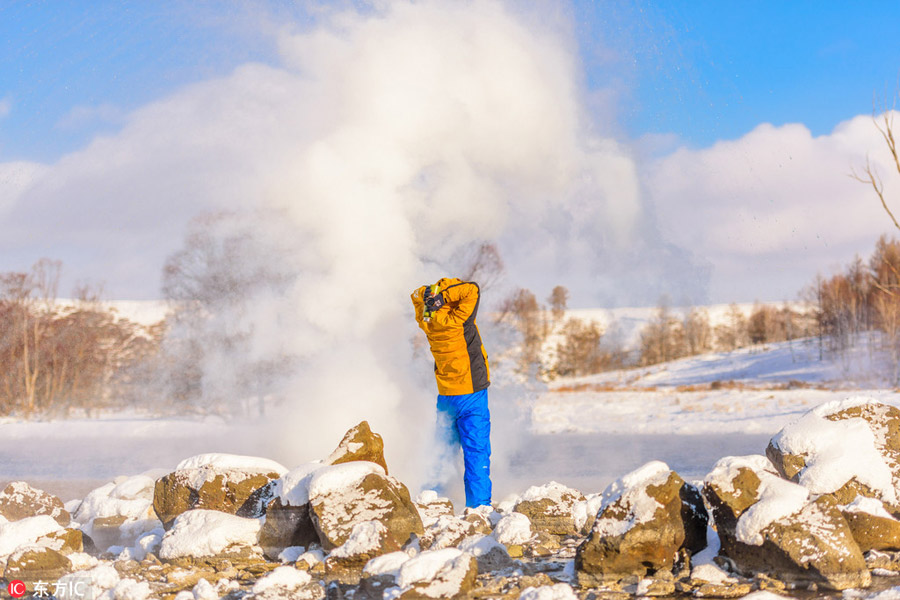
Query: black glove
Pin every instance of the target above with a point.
(433, 303)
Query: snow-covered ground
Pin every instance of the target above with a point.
(584, 432)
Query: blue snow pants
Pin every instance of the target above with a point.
(470, 423)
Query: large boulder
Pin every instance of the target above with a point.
(845, 449)
(119, 512)
(769, 525)
(550, 508)
(288, 522)
(204, 534)
(360, 443)
(345, 495)
(645, 519)
(237, 485)
(18, 500)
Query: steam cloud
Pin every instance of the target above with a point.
(390, 139)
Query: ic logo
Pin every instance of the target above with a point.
(16, 588)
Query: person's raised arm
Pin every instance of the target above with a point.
(460, 303)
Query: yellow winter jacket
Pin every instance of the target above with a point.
(460, 362)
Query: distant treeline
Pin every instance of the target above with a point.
(556, 346)
(863, 297)
(56, 357)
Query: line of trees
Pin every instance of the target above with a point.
(863, 297)
(57, 357)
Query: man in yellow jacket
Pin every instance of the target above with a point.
(446, 313)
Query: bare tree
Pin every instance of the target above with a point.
(558, 300)
(870, 175)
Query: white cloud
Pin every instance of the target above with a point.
(5, 107)
(774, 207)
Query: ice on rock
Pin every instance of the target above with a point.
(25, 532)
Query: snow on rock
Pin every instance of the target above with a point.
(650, 503)
(206, 466)
(386, 564)
(118, 512)
(431, 507)
(438, 573)
(559, 591)
(204, 533)
(312, 558)
(768, 524)
(147, 543)
(238, 485)
(873, 527)
(585, 512)
(550, 507)
(490, 554)
(514, 528)
(366, 537)
(287, 583)
(292, 489)
(19, 500)
(25, 532)
(338, 478)
(360, 443)
(631, 491)
(291, 554)
(344, 495)
(839, 442)
(447, 531)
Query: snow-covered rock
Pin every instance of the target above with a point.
(645, 519)
(767, 524)
(206, 533)
(550, 507)
(18, 500)
(490, 554)
(25, 532)
(446, 532)
(286, 583)
(437, 574)
(844, 448)
(119, 512)
(367, 540)
(431, 506)
(359, 443)
(237, 485)
(345, 495)
(513, 528)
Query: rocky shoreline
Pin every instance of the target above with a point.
(816, 514)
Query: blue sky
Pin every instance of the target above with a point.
(669, 82)
(702, 70)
